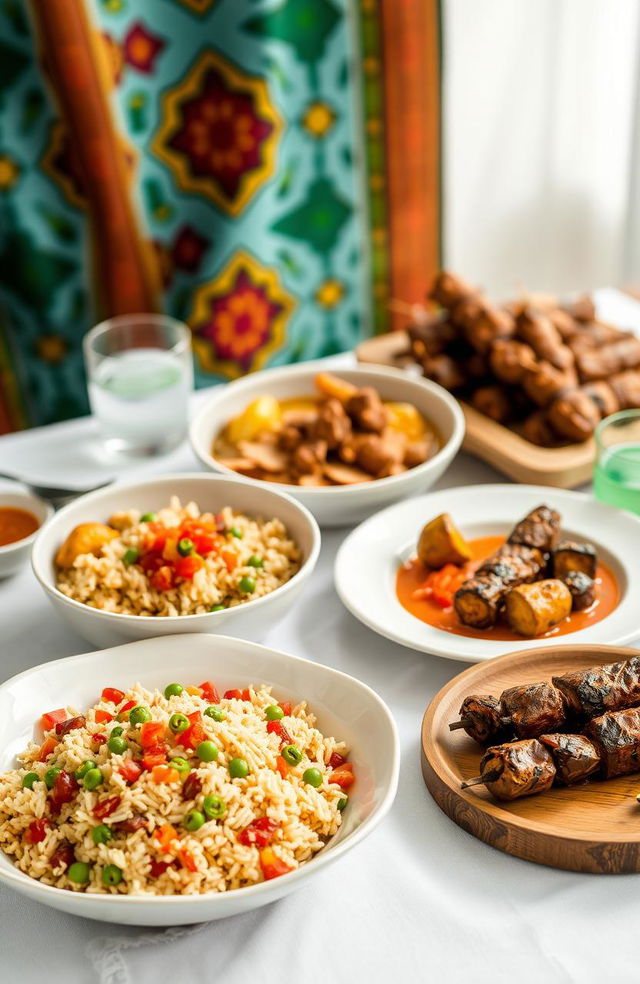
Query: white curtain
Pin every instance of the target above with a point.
(541, 188)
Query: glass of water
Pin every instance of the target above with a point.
(140, 375)
(616, 477)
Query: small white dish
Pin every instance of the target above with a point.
(368, 561)
(344, 707)
(14, 555)
(338, 505)
(211, 492)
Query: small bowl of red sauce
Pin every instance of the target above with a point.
(21, 516)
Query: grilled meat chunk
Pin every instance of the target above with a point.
(518, 768)
(571, 556)
(592, 692)
(479, 599)
(617, 736)
(582, 588)
(574, 756)
(481, 718)
(540, 528)
(533, 709)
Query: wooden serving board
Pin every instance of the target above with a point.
(592, 827)
(563, 468)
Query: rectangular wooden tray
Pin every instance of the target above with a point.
(562, 468)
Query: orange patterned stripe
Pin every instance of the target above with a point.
(126, 277)
(412, 125)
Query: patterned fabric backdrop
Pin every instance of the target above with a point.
(263, 170)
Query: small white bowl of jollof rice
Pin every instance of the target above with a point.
(152, 824)
(254, 549)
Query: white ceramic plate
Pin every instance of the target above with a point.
(344, 708)
(366, 565)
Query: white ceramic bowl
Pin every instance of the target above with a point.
(14, 555)
(338, 506)
(211, 492)
(344, 707)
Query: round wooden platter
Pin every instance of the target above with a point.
(591, 827)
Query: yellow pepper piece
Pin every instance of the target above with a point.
(262, 414)
(404, 417)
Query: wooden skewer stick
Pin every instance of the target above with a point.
(476, 781)
(456, 725)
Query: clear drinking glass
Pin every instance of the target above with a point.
(616, 476)
(140, 375)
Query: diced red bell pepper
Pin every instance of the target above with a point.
(204, 536)
(102, 717)
(343, 776)
(282, 767)
(186, 567)
(63, 856)
(123, 713)
(152, 561)
(112, 695)
(164, 837)
(98, 739)
(209, 692)
(51, 718)
(151, 759)
(187, 859)
(162, 579)
(106, 807)
(285, 707)
(157, 868)
(152, 734)
(156, 538)
(36, 831)
(230, 559)
(65, 787)
(46, 748)
(336, 760)
(192, 737)
(130, 770)
(278, 728)
(237, 694)
(272, 866)
(259, 832)
(71, 724)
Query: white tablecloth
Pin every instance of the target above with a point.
(420, 900)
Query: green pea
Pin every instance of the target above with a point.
(238, 768)
(236, 532)
(193, 820)
(117, 731)
(180, 764)
(213, 807)
(117, 745)
(79, 872)
(247, 584)
(50, 776)
(218, 608)
(130, 556)
(29, 779)
(93, 778)
(149, 517)
(207, 751)
(291, 754)
(84, 768)
(139, 714)
(101, 834)
(274, 713)
(186, 547)
(111, 875)
(178, 723)
(215, 713)
(342, 803)
(255, 561)
(312, 776)
(173, 690)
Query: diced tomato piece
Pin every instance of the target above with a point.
(63, 856)
(278, 728)
(187, 859)
(130, 770)
(46, 748)
(162, 579)
(186, 567)
(164, 837)
(192, 737)
(204, 536)
(192, 786)
(238, 694)
(259, 832)
(102, 717)
(65, 787)
(336, 760)
(156, 537)
(152, 561)
(36, 831)
(209, 692)
(343, 776)
(51, 718)
(98, 739)
(285, 707)
(157, 868)
(71, 724)
(230, 559)
(282, 767)
(151, 759)
(272, 866)
(106, 807)
(112, 695)
(152, 733)
(164, 773)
